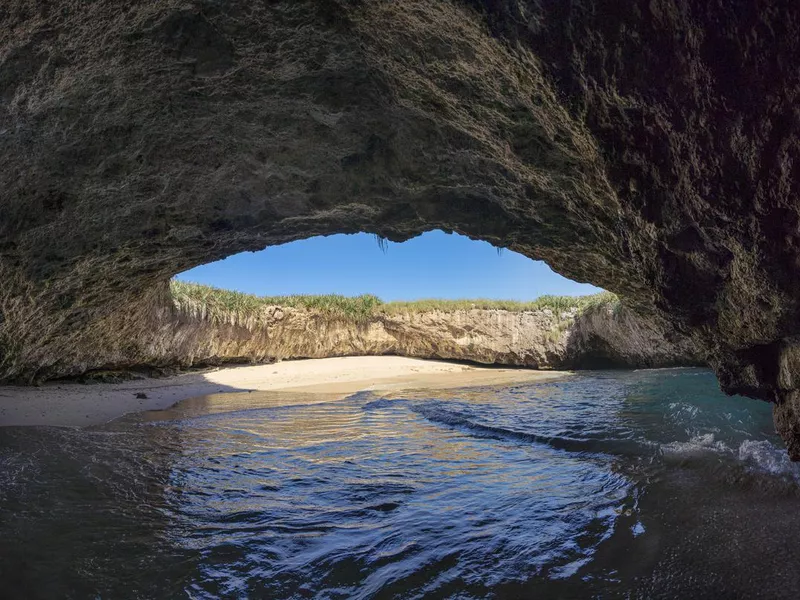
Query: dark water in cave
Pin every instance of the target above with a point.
(643, 484)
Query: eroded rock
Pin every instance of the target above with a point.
(603, 336)
(648, 147)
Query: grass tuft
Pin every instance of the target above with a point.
(382, 242)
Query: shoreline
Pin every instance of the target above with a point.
(78, 405)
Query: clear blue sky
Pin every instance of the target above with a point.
(433, 265)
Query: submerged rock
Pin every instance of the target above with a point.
(649, 148)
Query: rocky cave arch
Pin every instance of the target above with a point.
(648, 148)
(203, 325)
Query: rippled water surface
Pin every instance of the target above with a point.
(611, 484)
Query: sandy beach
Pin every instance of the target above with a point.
(75, 404)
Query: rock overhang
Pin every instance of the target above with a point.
(649, 149)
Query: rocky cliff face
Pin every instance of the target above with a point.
(604, 336)
(648, 147)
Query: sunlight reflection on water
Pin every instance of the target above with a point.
(580, 487)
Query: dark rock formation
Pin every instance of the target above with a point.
(648, 147)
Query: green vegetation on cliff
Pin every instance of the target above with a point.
(236, 307)
(221, 305)
(557, 304)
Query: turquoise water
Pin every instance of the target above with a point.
(635, 484)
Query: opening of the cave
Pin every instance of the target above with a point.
(432, 265)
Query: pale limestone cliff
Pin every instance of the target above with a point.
(600, 337)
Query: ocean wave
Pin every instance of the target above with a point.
(452, 419)
(683, 410)
(383, 403)
(759, 456)
(698, 444)
(768, 458)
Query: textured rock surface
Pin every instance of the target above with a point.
(648, 147)
(600, 337)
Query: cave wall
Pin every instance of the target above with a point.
(647, 147)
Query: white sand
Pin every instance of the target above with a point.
(74, 404)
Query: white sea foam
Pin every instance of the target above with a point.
(766, 457)
(683, 410)
(698, 444)
(759, 455)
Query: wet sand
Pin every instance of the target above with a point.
(75, 404)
